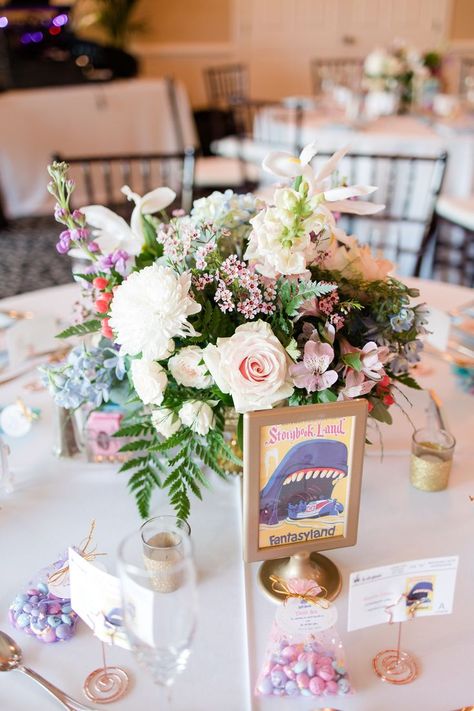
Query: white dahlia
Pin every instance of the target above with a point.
(149, 309)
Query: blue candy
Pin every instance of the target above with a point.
(23, 620)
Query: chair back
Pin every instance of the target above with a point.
(408, 187)
(466, 79)
(453, 252)
(336, 71)
(99, 178)
(226, 84)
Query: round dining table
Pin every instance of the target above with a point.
(54, 501)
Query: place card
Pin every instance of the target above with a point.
(429, 583)
(96, 598)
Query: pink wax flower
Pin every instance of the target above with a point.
(312, 372)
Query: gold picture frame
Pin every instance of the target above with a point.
(301, 490)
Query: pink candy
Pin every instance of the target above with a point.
(302, 680)
(303, 670)
(317, 686)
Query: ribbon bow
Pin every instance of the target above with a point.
(59, 575)
(306, 589)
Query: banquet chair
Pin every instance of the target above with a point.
(340, 71)
(408, 186)
(255, 136)
(226, 84)
(99, 178)
(466, 78)
(451, 241)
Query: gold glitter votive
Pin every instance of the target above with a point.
(431, 459)
(165, 547)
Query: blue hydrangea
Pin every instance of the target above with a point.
(228, 210)
(86, 376)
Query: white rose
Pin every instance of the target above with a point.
(165, 421)
(187, 368)
(198, 416)
(149, 380)
(150, 308)
(252, 366)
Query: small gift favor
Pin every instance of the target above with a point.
(304, 656)
(44, 611)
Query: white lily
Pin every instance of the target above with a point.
(285, 165)
(150, 203)
(111, 232)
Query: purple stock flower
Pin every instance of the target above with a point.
(115, 260)
(312, 372)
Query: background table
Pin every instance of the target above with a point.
(55, 500)
(127, 116)
(405, 135)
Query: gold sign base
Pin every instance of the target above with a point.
(314, 566)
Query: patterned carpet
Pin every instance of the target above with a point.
(28, 258)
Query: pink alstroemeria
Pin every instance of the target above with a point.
(372, 357)
(312, 372)
(356, 385)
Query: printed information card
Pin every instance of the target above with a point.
(424, 586)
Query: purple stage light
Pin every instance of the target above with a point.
(60, 20)
(3, 22)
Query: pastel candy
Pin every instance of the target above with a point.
(265, 686)
(278, 678)
(48, 635)
(332, 687)
(67, 620)
(326, 673)
(339, 668)
(343, 686)
(299, 666)
(23, 620)
(292, 688)
(317, 686)
(54, 621)
(278, 692)
(63, 631)
(302, 680)
(54, 608)
(305, 692)
(290, 652)
(42, 587)
(289, 672)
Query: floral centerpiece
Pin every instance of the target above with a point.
(182, 331)
(400, 69)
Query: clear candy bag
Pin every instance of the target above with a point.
(44, 609)
(304, 656)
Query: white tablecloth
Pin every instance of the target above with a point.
(54, 502)
(127, 116)
(404, 135)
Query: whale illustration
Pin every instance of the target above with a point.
(307, 474)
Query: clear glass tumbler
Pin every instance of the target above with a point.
(158, 583)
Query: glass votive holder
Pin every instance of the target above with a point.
(431, 459)
(166, 545)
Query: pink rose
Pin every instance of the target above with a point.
(252, 366)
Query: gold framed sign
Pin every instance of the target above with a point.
(302, 478)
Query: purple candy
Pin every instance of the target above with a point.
(63, 631)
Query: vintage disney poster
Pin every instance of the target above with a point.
(305, 479)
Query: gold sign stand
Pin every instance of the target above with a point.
(312, 566)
